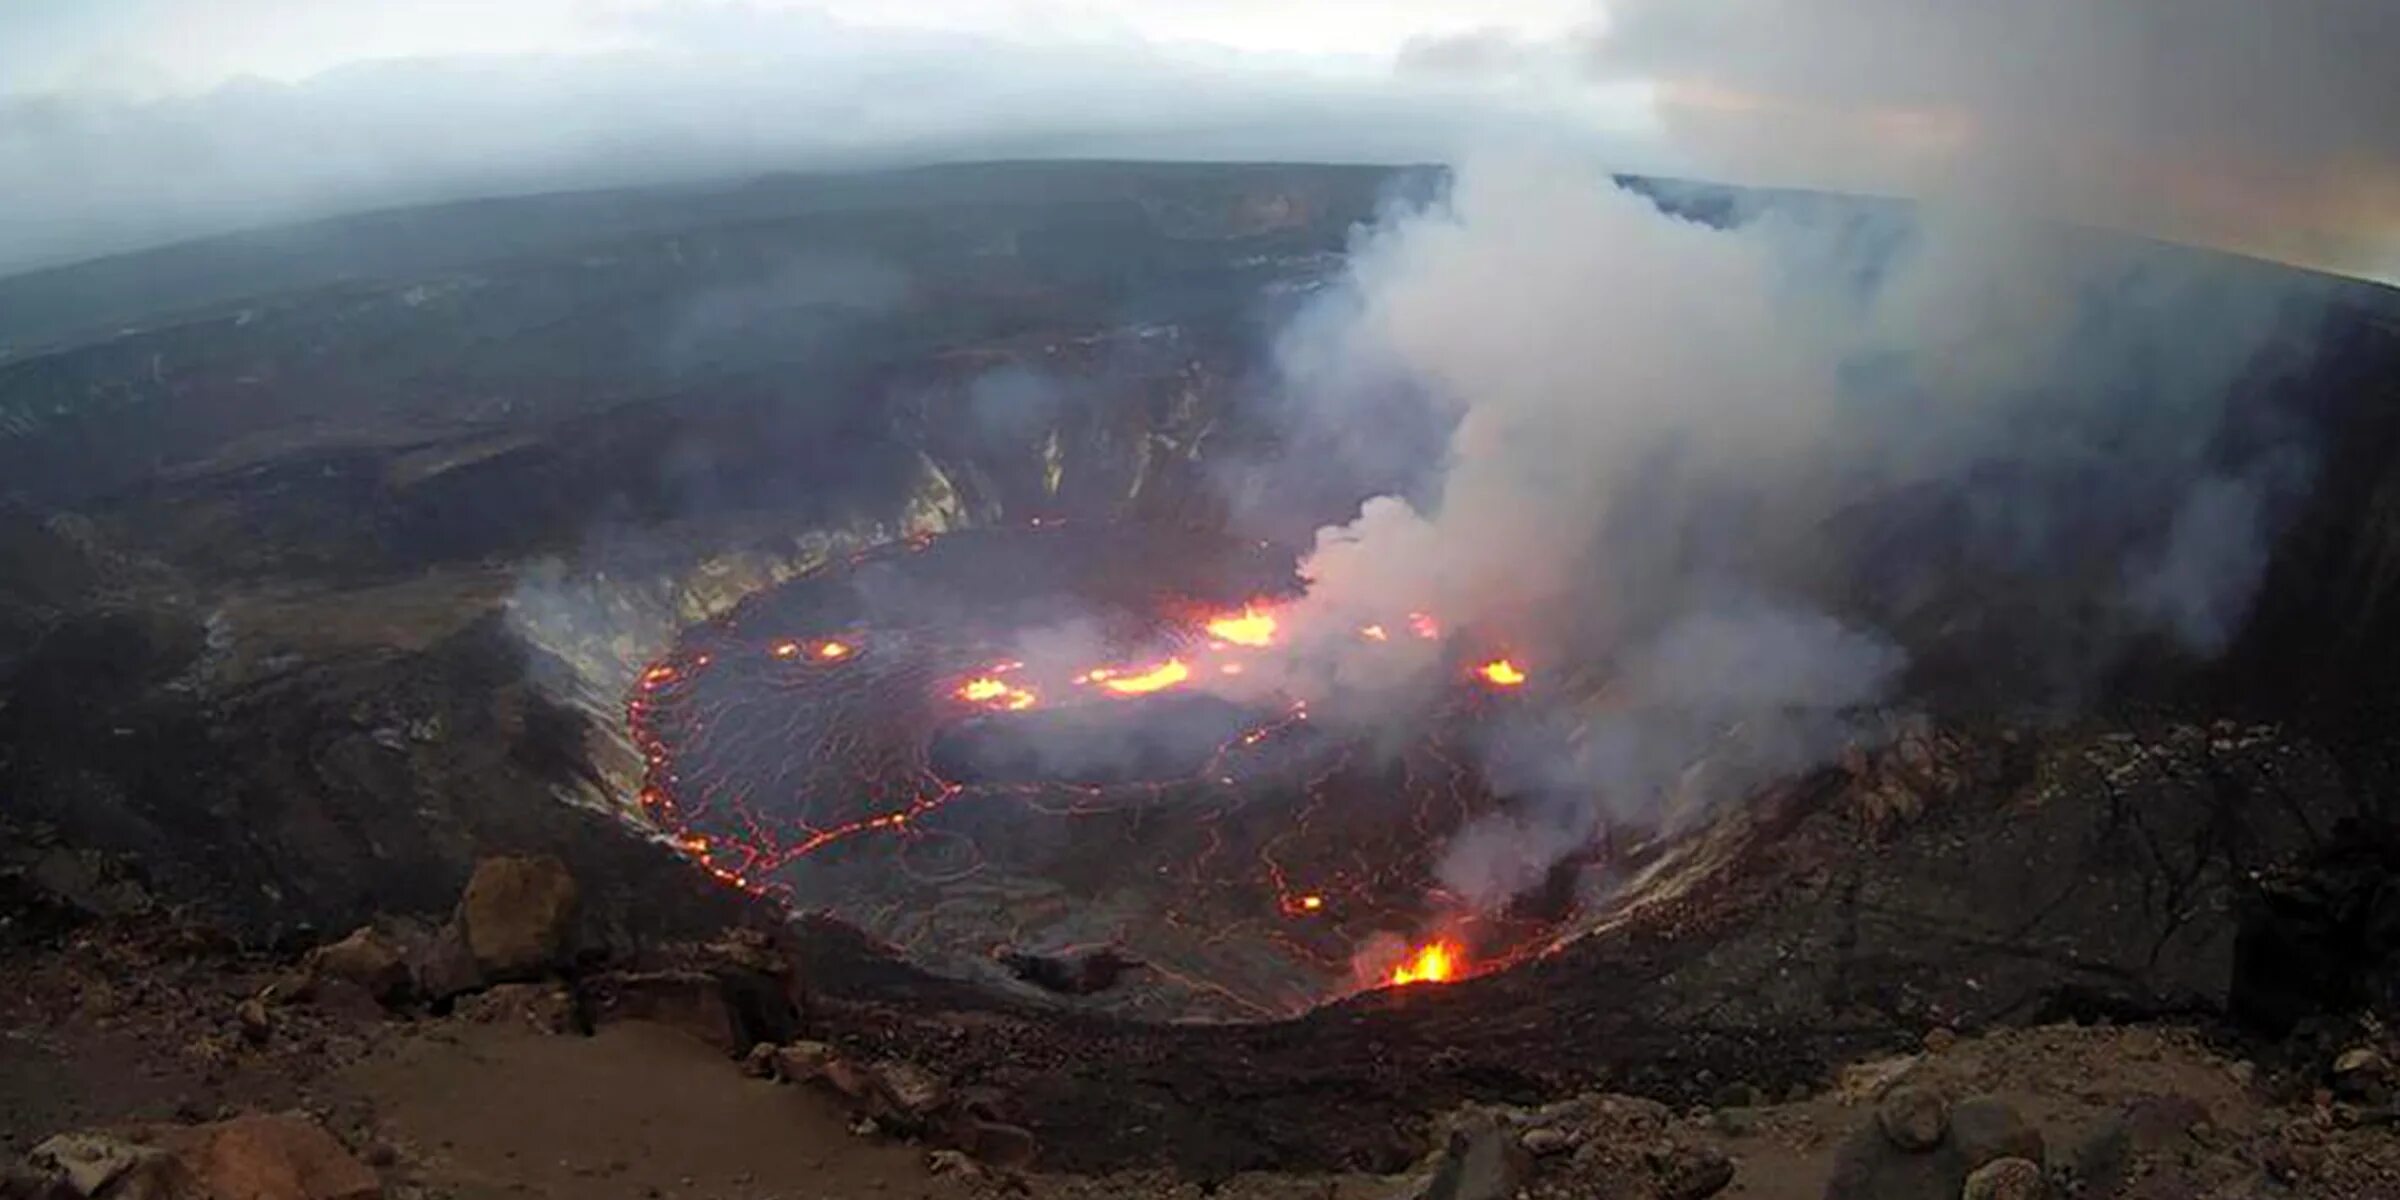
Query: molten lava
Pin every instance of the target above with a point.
(1142, 683)
(997, 693)
(833, 650)
(1501, 672)
(1424, 626)
(1434, 962)
(1252, 626)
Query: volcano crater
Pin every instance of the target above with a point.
(875, 741)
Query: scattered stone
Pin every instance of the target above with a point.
(541, 1007)
(2140, 1045)
(1694, 1173)
(516, 915)
(1939, 1040)
(21, 1182)
(802, 1062)
(2361, 1073)
(909, 1093)
(1542, 1142)
(1987, 1128)
(367, 959)
(89, 1162)
(255, 1021)
(1737, 1122)
(1913, 1117)
(1738, 1095)
(760, 1062)
(952, 1162)
(2005, 1179)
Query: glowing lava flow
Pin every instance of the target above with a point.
(997, 693)
(1141, 683)
(1500, 672)
(1434, 962)
(1250, 627)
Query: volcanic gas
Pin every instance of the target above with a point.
(1000, 745)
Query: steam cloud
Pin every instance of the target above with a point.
(1730, 488)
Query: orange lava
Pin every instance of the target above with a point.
(997, 693)
(1252, 626)
(833, 650)
(1312, 903)
(1374, 633)
(787, 649)
(1424, 626)
(1434, 962)
(1500, 672)
(1141, 683)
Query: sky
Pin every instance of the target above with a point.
(2263, 128)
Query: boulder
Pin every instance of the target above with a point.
(995, 1143)
(1693, 1173)
(1987, 1128)
(87, 1163)
(1868, 1166)
(2006, 1179)
(2362, 1073)
(914, 1093)
(802, 1062)
(1913, 1117)
(441, 966)
(368, 959)
(265, 1156)
(517, 914)
(1481, 1162)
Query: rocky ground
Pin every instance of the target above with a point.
(488, 1056)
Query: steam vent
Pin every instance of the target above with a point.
(1172, 672)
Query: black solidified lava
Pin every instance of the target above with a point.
(1152, 739)
(896, 741)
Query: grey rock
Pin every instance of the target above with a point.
(1694, 1173)
(1987, 1128)
(1481, 1163)
(1913, 1117)
(1867, 1166)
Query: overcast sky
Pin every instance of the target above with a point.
(2268, 127)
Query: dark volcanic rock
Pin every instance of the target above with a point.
(1867, 1166)
(1481, 1162)
(1913, 1117)
(1983, 1128)
(369, 959)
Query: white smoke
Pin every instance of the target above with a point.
(1706, 483)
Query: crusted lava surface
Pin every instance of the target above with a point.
(822, 744)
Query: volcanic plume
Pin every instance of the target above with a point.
(1662, 433)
